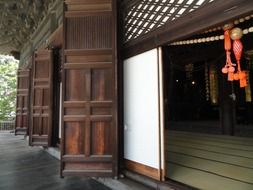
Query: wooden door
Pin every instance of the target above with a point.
(41, 105)
(22, 102)
(89, 132)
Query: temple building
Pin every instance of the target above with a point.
(155, 90)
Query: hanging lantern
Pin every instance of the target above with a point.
(229, 66)
(236, 35)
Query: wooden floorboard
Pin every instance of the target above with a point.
(202, 146)
(220, 168)
(218, 138)
(213, 156)
(31, 168)
(214, 142)
(209, 161)
(204, 180)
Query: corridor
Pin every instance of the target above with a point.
(31, 168)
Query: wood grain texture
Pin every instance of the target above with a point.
(89, 32)
(56, 38)
(41, 105)
(89, 122)
(22, 102)
(142, 169)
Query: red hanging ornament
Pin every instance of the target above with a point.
(229, 66)
(236, 35)
(237, 48)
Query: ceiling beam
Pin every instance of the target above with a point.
(127, 4)
(213, 14)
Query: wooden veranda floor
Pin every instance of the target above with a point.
(209, 161)
(31, 168)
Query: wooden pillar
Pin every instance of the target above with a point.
(120, 78)
(227, 106)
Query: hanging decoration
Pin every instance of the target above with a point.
(247, 89)
(236, 35)
(235, 22)
(233, 70)
(229, 66)
(213, 78)
(217, 37)
(207, 39)
(207, 82)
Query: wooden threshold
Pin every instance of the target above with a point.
(142, 169)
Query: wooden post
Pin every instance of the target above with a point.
(227, 106)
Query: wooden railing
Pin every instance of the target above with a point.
(7, 125)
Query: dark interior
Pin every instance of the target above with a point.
(187, 93)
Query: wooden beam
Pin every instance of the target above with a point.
(142, 169)
(127, 4)
(213, 14)
(56, 38)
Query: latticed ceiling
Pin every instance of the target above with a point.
(146, 15)
(18, 20)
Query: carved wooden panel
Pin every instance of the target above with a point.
(19, 21)
(41, 105)
(22, 104)
(89, 121)
(89, 32)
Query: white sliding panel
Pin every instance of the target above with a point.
(141, 109)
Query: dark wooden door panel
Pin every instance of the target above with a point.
(89, 142)
(41, 116)
(22, 105)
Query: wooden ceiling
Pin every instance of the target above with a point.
(184, 21)
(152, 21)
(18, 20)
(143, 16)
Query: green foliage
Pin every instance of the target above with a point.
(8, 83)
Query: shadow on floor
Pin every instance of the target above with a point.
(30, 168)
